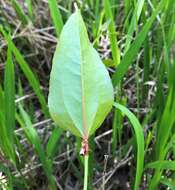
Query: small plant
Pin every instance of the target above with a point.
(81, 92)
(136, 41)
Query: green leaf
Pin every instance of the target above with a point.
(56, 16)
(134, 47)
(34, 139)
(7, 110)
(81, 93)
(165, 165)
(9, 96)
(51, 145)
(134, 24)
(30, 9)
(33, 80)
(19, 11)
(112, 33)
(140, 142)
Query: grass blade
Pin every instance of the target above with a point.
(112, 33)
(51, 145)
(165, 125)
(9, 96)
(27, 71)
(34, 139)
(30, 8)
(19, 11)
(139, 139)
(7, 111)
(168, 165)
(5, 144)
(56, 16)
(134, 48)
(133, 25)
(164, 131)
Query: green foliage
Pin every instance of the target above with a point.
(56, 16)
(27, 71)
(112, 33)
(34, 139)
(90, 96)
(134, 24)
(169, 165)
(139, 140)
(51, 145)
(19, 11)
(7, 110)
(9, 96)
(135, 46)
(30, 9)
(37, 154)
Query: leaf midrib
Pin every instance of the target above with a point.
(84, 120)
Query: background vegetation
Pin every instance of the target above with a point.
(136, 40)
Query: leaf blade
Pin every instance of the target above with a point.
(56, 16)
(139, 139)
(73, 81)
(9, 95)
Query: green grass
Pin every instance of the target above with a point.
(56, 16)
(19, 11)
(7, 110)
(136, 41)
(112, 33)
(137, 128)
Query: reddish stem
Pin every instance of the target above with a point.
(84, 147)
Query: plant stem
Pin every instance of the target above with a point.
(86, 157)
